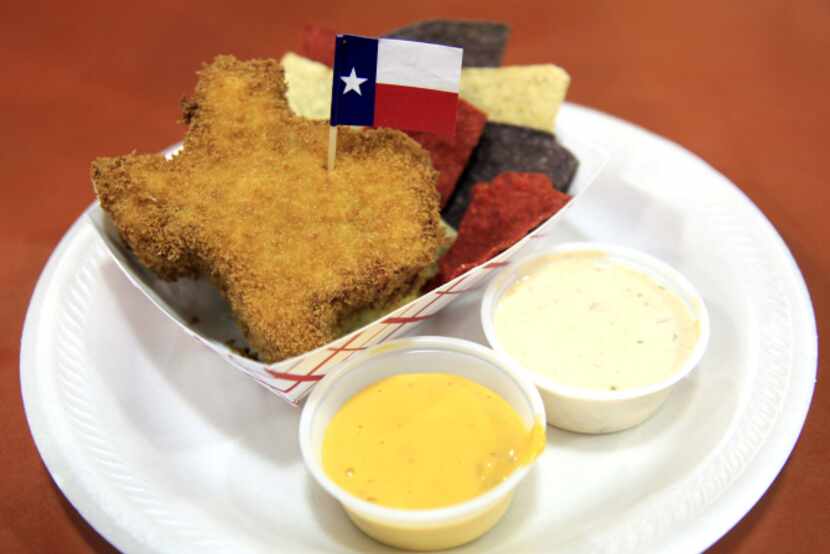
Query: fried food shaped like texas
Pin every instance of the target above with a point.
(297, 251)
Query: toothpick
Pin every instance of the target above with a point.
(332, 147)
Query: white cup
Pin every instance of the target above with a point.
(431, 529)
(586, 410)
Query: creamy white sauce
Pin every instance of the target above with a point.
(584, 320)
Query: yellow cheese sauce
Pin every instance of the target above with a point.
(426, 440)
(584, 320)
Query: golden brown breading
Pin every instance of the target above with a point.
(294, 249)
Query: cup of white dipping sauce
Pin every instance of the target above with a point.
(603, 331)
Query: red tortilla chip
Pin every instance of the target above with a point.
(318, 44)
(450, 156)
(501, 213)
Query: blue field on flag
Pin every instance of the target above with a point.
(356, 56)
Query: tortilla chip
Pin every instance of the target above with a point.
(525, 95)
(503, 148)
(450, 156)
(501, 214)
(483, 41)
(317, 43)
(309, 86)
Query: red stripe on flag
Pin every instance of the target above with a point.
(415, 109)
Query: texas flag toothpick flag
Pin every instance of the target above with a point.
(395, 83)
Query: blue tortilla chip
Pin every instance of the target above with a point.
(483, 41)
(508, 148)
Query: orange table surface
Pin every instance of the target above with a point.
(743, 85)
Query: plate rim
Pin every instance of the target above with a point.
(738, 507)
(61, 474)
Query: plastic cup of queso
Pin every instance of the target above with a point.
(421, 529)
(594, 410)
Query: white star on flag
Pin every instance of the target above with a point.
(353, 82)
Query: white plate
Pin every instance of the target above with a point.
(163, 448)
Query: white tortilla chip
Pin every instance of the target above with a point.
(525, 95)
(309, 86)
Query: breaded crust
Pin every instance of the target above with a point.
(294, 249)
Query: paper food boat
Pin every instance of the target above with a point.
(202, 313)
